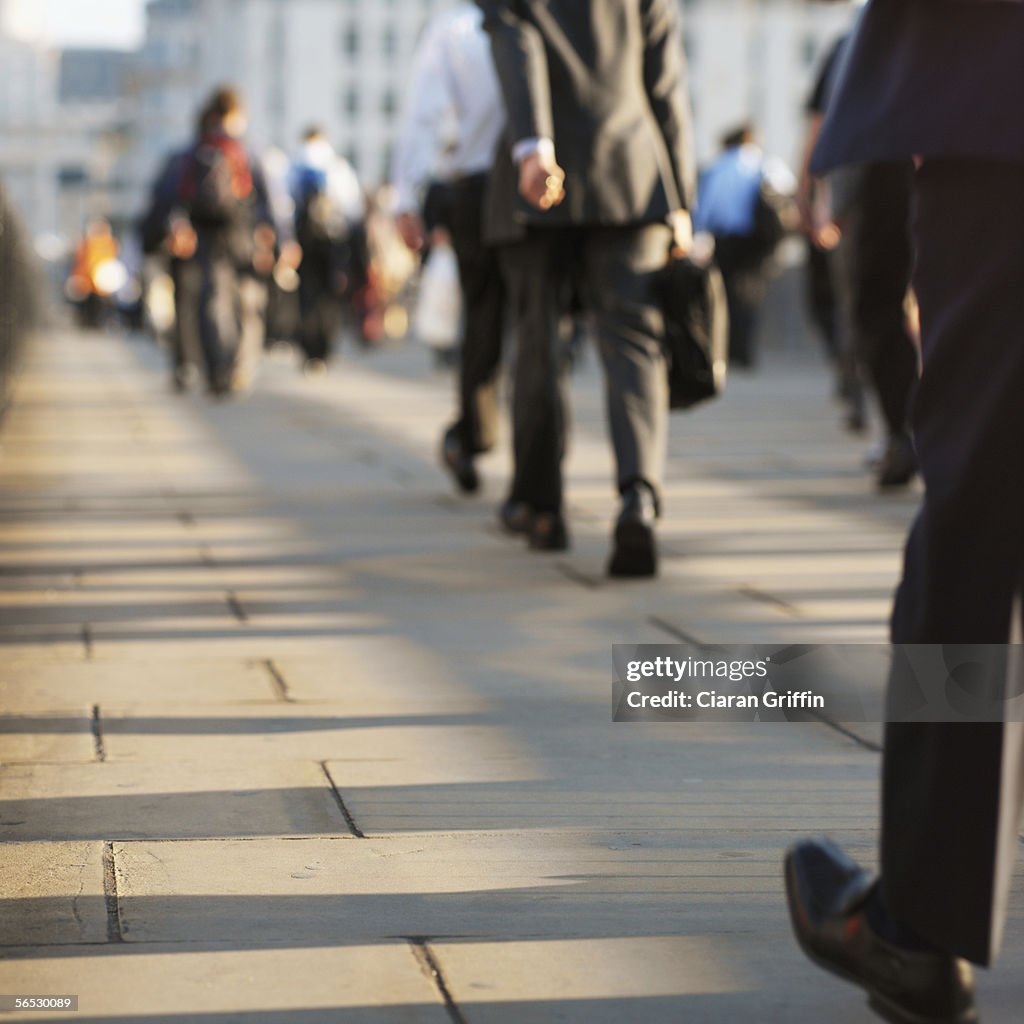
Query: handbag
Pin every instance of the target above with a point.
(696, 332)
(439, 304)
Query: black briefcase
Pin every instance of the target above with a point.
(696, 332)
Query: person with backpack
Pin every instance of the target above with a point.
(222, 192)
(330, 213)
(740, 204)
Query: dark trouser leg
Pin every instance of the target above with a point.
(535, 271)
(738, 260)
(821, 298)
(219, 314)
(951, 792)
(880, 266)
(483, 294)
(187, 278)
(620, 267)
(316, 304)
(742, 321)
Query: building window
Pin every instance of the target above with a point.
(350, 40)
(809, 51)
(350, 100)
(388, 103)
(389, 42)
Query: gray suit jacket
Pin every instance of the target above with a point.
(606, 80)
(930, 78)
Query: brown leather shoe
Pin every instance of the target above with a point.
(826, 892)
(459, 464)
(548, 532)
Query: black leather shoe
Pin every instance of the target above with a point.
(515, 517)
(548, 532)
(459, 464)
(634, 551)
(898, 466)
(826, 892)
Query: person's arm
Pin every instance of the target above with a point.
(522, 67)
(416, 148)
(665, 83)
(666, 87)
(155, 223)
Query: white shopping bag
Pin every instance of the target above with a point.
(439, 304)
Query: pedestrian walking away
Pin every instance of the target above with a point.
(870, 216)
(742, 196)
(454, 81)
(583, 190)
(913, 83)
(222, 191)
(329, 215)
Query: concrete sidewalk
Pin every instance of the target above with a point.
(292, 735)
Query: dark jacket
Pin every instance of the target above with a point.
(930, 78)
(606, 80)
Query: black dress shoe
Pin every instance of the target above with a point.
(548, 532)
(898, 466)
(634, 550)
(459, 464)
(827, 893)
(515, 517)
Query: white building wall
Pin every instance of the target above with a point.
(757, 60)
(343, 64)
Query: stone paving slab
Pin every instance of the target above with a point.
(52, 894)
(514, 884)
(31, 686)
(304, 587)
(380, 984)
(173, 799)
(230, 735)
(58, 736)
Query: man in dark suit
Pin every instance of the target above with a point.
(941, 80)
(594, 172)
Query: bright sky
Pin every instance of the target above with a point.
(115, 23)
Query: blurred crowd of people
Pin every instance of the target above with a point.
(522, 255)
(260, 249)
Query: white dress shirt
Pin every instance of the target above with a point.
(454, 114)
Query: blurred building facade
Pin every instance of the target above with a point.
(65, 120)
(340, 64)
(83, 133)
(757, 60)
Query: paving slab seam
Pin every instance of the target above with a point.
(428, 961)
(340, 801)
(88, 647)
(756, 594)
(688, 638)
(278, 682)
(237, 609)
(861, 741)
(574, 575)
(675, 631)
(115, 932)
(97, 734)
